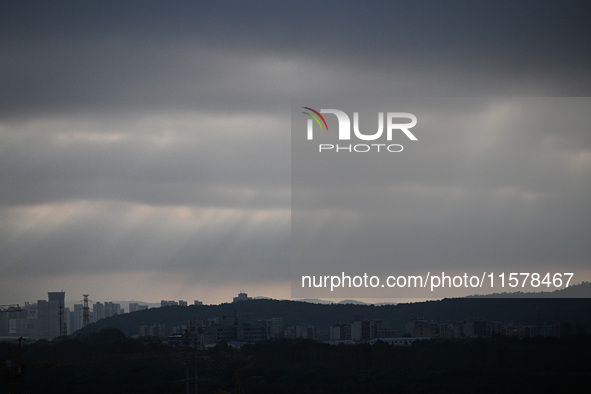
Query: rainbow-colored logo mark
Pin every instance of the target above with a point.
(316, 117)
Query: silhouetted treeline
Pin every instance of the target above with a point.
(109, 362)
(101, 362)
(459, 366)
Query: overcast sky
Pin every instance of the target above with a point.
(491, 185)
(145, 146)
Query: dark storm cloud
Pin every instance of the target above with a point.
(207, 54)
(156, 159)
(146, 135)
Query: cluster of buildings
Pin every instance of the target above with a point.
(361, 330)
(51, 318)
(45, 319)
(207, 332)
(421, 328)
(175, 303)
(480, 328)
(370, 331)
(231, 329)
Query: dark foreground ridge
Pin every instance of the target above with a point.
(110, 362)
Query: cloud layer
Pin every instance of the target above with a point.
(151, 139)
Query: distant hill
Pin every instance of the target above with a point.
(581, 290)
(353, 302)
(124, 304)
(315, 301)
(520, 310)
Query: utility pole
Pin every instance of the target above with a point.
(15, 380)
(61, 312)
(14, 375)
(190, 356)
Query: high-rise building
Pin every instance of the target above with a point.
(3, 324)
(134, 307)
(98, 311)
(55, 315)
(108, 309)
(42, 319)
(242, 296)
(76, 318)
(112, 309)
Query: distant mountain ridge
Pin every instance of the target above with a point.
(576, 311)
(581, 290)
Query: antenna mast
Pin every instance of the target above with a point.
(85, 312)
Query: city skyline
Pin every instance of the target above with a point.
(72, 300)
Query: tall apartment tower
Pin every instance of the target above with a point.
(76, 318)
(56, 310)
(42, 319)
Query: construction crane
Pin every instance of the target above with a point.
(10, 308)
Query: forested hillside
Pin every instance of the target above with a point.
(576, 312)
